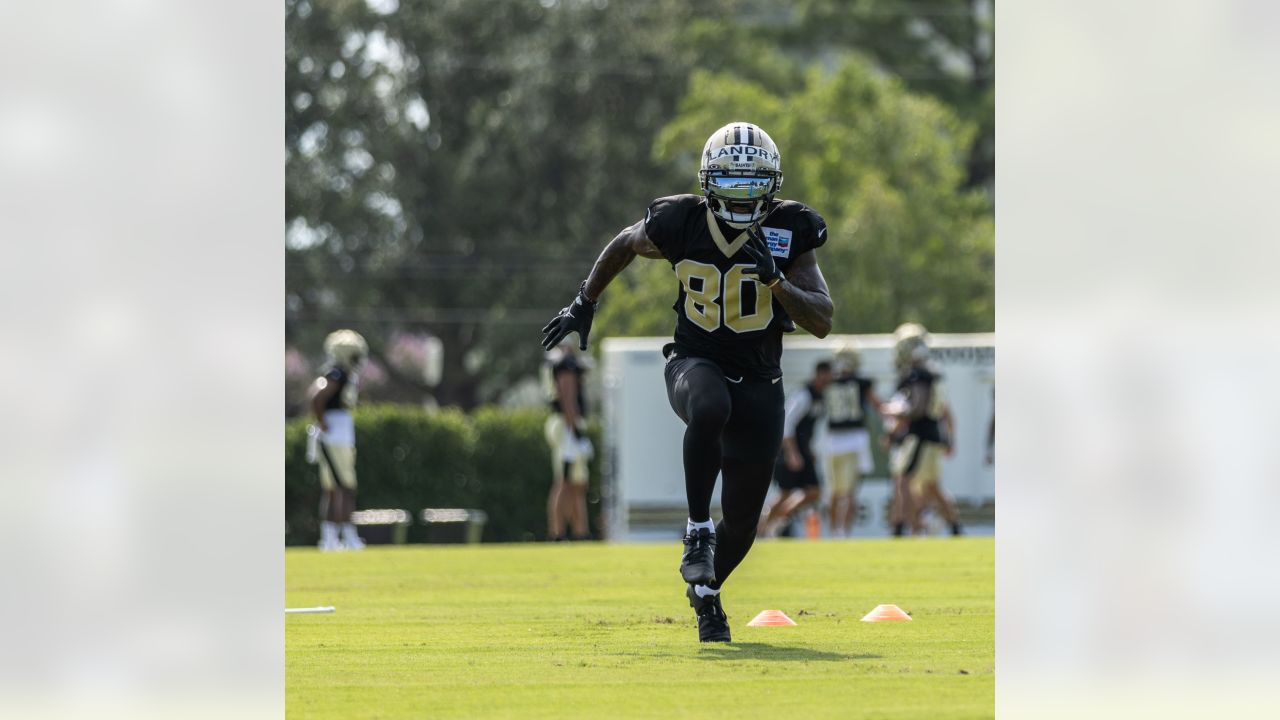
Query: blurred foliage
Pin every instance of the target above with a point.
(410, 458)
(885, 167)
(455, 166)
(941, 48)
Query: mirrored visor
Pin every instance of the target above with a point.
(739, 187)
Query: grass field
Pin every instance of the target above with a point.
(602, 631)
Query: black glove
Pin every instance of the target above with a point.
(766, 270)
(576, 317)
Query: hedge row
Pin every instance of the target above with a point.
(407, 457)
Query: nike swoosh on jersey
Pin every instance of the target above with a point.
(735, 382)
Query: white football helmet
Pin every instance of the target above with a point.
(741, 172)
(848, 359)
(910, 346)
(346, 348)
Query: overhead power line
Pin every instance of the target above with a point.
(534, 318)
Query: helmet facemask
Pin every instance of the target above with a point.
(739, 199)
(741, 172)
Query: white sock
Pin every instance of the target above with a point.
(328, 530)
(691, 526)
(349, 530)
(703, 590)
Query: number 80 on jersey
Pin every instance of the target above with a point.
(712, 299)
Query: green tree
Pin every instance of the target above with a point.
(453, 165)
(942, 48)
(884, 166)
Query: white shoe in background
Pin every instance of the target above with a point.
(329, 537)
(350, 538)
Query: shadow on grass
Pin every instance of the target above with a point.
(779, 653)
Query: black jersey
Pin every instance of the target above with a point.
(344, 398)
(723, 314)
(922, 388)
(559, 361)
(848, 399)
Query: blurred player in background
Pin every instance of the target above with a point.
(747, 270)
(849, 402)
(566, 434)
(332, 439)
(796, 471)
(922, 429)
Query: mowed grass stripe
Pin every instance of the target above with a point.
(604, 630)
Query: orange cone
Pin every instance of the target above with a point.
(812, 525)
(886, 613)
(771, 618)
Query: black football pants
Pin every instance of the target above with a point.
(733, 427)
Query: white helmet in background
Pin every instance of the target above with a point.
(346, 348)
(741, 172)
(910, 345)
(848, 359)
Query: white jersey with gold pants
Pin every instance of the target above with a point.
(334, 450)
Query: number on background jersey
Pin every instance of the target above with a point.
(844, 402)
(703, 288)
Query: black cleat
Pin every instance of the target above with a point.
(698, 566)
(713, 624)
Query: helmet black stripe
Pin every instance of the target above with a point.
(737, 134)
(751, 135)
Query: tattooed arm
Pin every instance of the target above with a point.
(617, 255)
(803, 292)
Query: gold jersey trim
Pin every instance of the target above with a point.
(728, 248)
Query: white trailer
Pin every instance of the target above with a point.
(643, 474)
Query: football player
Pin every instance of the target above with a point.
(796, 472)
(332, 439)
(566, 434)
(746, 266)
(923, 427)
(849, 402)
